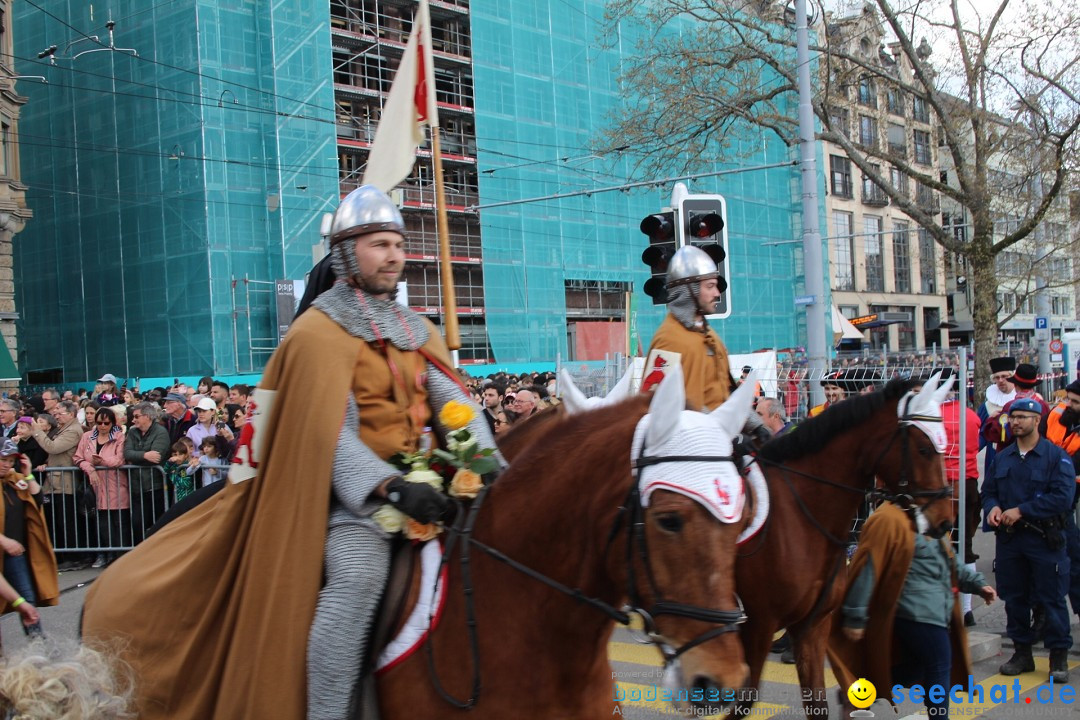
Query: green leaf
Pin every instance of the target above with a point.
(447, 457)
(483, 465)
(486, 452)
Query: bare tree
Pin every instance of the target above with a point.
(1002, 92)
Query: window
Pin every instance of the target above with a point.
(868, 131)
(922, 147)
(5, 145)
(901, 257)
(867, 92)
(896, 103)
(841, 176)
(844, 245)
(872, 194)
(897, 139)
(899, 180)
(906, 329)
(927, 262)
(1059, 268)
(925, 197)
(920, 109)
(1060, 305)
(875, 263)
(840, 120)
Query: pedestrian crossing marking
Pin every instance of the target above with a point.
(638, 654)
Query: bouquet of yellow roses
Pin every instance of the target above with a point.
(461, 453)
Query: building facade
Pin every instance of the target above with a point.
(14, 211)
(192, 154)
(880, 260)
(181, 162)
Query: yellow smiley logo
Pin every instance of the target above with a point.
(862, 693)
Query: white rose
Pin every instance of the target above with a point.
(430, 477)
(389, 518)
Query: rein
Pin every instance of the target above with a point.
(725, 620)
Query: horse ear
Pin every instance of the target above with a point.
(574, 400)
(732, 414)
(943, 391)
(667, 405)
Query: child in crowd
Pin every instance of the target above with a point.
(214, 461)
(176, 469)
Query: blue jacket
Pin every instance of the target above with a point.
(1041, 484)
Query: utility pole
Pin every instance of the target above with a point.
(813, 266)
(1042, 293)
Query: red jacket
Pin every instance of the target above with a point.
(950, 414)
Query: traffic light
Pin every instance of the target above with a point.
(704, 226)
(662, 245)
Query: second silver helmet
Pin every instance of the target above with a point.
(690, 264)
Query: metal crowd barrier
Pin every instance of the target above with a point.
(76, 525)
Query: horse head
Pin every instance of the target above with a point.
(912, 464)
(693, 503)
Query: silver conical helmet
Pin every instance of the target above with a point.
(366, 209)
(690, 264)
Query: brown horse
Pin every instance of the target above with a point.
(570, 512)
(790, 575)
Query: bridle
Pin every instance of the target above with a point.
(632, 512)
(904, 497)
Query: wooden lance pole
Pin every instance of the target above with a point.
(449, 298)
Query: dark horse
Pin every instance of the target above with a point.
(790, 575)
(569, 509)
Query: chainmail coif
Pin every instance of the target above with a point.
(371, 319)
(683, 305)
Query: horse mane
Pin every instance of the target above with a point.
(813, 434)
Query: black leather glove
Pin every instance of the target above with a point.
(420, 501)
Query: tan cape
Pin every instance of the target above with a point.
(707, 376)
(216, 607)
(38, 548)
(888, 537)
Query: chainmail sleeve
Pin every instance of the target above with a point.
(442, 390)
(357, 469)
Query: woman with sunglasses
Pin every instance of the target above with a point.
(100, 450)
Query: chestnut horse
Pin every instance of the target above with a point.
(568, 540)
(791, 573)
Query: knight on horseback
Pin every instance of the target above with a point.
(234, 587)
(684, 338)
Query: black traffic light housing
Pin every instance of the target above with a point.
(661, 229)
(704, 225)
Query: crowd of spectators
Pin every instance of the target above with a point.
(113, 459)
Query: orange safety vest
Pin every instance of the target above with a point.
(1058, 433)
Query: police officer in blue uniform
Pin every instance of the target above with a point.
(1027, 492)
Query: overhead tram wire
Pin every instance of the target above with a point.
(627, 186)
(83, 35)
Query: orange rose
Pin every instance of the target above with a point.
(421, 532)
(466, 484)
